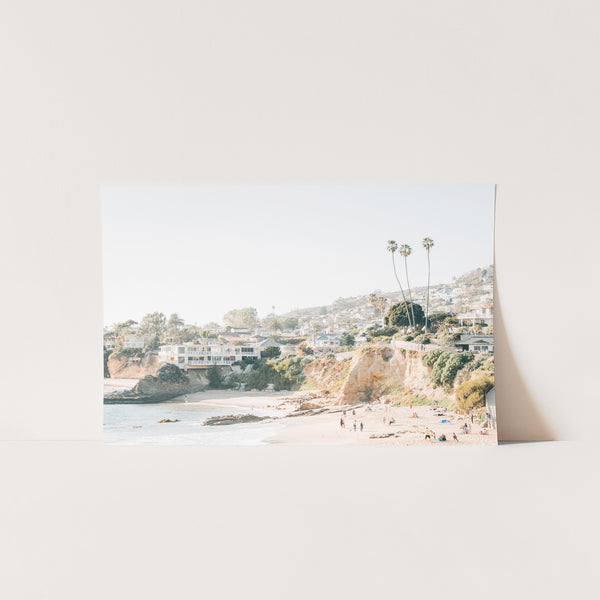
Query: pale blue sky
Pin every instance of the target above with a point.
(201, 251)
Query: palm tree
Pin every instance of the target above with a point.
(392, 247)
(428, 245)
(405, 250)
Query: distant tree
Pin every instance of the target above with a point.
(126, 327)
(304, 348)
(399, 315)
(289, 323)
(428, 245)
(271, 352)
(209, 334)
(190, 334)
(348, 340)
(242, 318)
(272, 323)
(405, 251)
(174, 325)
(379, 303)
(153, 325)
(153, 343)
(392, 247)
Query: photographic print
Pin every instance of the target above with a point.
(305, 314)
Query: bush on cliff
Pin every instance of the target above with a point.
(171, 374)
(445, 366)
(471, 394)
(429, 358)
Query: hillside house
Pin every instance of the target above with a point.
(476, 343)
(206, 353)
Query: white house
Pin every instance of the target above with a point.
(206, 353)
(326, 343)
(134, 341)
(476, 343)
(477, 316)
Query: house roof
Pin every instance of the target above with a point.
(475, 339)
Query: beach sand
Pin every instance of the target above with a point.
(325, 428)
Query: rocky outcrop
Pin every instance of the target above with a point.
(233, 419)
(168, 383)
(377, 370)
(121, 366)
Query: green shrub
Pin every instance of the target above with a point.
(455, 361)
(284, 374)
(438, 368)
(422, 339)
(271, 352)
(445, 366)
(170, 373)
(215, 379)
(429, 358)
(471, 394)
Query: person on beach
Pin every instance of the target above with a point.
(361, 425)
(471, 417)
(344, 413)
(466, 428)
(455, 437)
(427, 434)
(354, 425)
(342, 422)
(433, 435)
(442, 438)
(353, 412)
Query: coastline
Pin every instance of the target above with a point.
(303, 427)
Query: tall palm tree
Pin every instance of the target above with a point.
(392, 247)
(428, 245)
(405, 250)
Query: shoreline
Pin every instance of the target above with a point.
(391, 425)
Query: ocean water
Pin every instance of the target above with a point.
(137, 424)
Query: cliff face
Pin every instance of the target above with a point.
(126, 367)
(380, 370)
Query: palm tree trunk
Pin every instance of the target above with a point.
(409, 294)
(401, 289)
(427, 306)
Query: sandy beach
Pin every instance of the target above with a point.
(394, 422)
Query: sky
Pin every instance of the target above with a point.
(202, 251)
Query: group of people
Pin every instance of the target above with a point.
(343, 423)
(430, 435)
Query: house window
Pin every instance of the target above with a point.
(181, 350)
(181, 359)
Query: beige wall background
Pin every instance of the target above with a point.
(131, 92)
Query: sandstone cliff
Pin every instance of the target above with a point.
(379, 371)
(127, 367)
